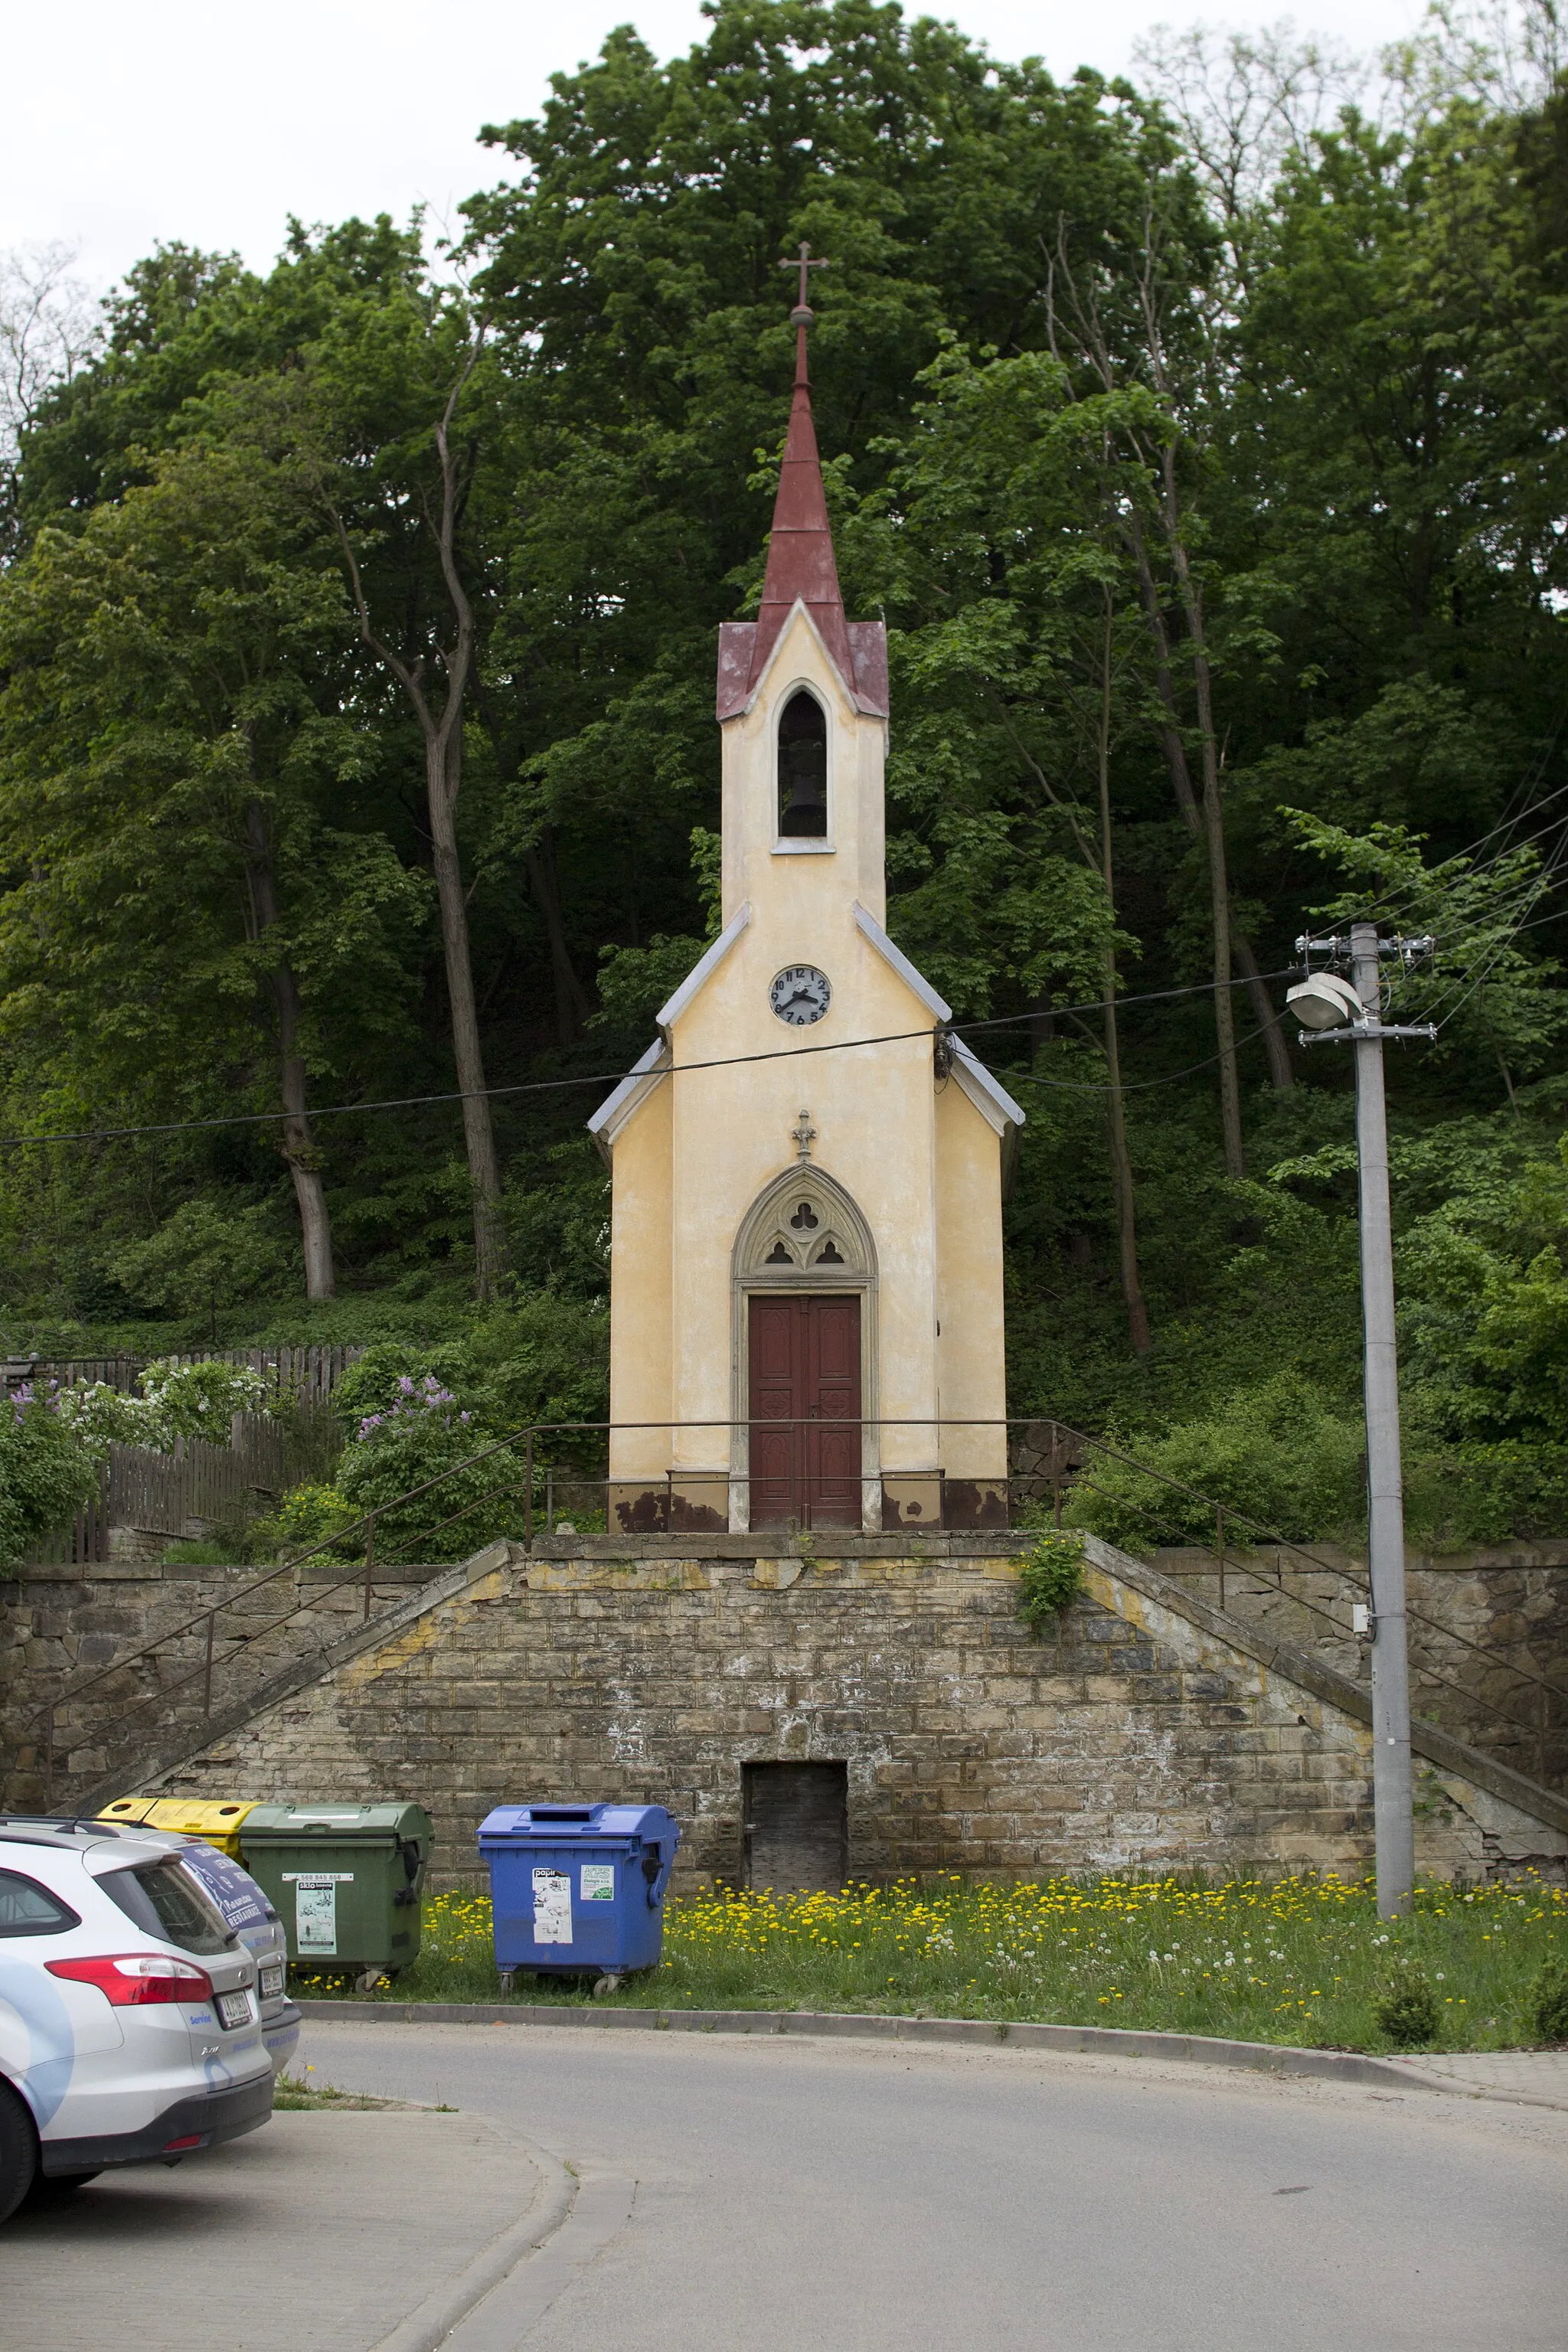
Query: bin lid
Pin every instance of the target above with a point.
(199, 1818)
(546, 1824)
(127, 1808)
(279, 1825)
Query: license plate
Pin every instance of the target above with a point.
(272, 1980)
(234, 2008)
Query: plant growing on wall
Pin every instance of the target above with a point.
(1050, 1578)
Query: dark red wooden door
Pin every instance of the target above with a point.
(806, 1412)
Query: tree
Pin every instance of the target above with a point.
(391, 436)
(168, 730)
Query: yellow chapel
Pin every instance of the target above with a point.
(807, 1166)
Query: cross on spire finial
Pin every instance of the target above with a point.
(803, 313)
(805, 1136)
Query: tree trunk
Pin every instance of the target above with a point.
(443, 737)
(1121, 1159)
(571, 1003)
(1280, 1074)
(443, 756)
(299, 1145)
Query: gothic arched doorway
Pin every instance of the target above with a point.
(805, 1285)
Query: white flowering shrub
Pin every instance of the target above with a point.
(200, 1400)
(176, 1401)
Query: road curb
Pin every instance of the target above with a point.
(431, 2322)
(1086, 2041)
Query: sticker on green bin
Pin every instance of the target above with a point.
(598, 1882)
(551, 1907)
(316, 1909)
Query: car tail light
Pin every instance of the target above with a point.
(135, 1979)
(175, 2146)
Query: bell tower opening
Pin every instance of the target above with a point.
(803, 769)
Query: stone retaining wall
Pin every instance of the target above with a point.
(61, 1625)
(1488, 1634)
(1147, 1733)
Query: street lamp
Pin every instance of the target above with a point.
(1334, 1012)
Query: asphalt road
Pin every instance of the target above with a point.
(858, 2197)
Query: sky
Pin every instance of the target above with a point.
(188, 120)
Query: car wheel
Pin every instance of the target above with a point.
(18, 2152)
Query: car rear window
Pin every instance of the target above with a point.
(29, 1909)
(165, 1901)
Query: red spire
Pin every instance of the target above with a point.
(800, 552)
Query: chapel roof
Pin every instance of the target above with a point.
(801, 570)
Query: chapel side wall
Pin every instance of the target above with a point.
(640, 1279)
(1129, 1740)
(972, 1349)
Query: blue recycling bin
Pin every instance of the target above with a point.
(578, 1889)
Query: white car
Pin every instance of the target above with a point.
(130, 2026)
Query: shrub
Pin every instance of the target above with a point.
(1049, 1580)
(310, 1515)
(1548, 2010)
(177, 1400)
(422, 1435)
(1279, 1454)
(1404, 2005)
(45, 1475)
(200, 1400)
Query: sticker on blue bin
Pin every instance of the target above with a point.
(598, 1882)
(551, 1907)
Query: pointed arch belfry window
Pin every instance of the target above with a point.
(803, 769)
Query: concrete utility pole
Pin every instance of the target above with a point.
(1355, 1015)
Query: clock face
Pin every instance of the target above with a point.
(801, 995)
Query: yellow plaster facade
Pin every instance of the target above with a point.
(826, 1166)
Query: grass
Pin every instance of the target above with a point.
(1296, 1961)
(299, 2091)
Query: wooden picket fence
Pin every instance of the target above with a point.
(309, 1375)
(160, 1494)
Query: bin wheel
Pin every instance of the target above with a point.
(371, 1979)
(607, 1984)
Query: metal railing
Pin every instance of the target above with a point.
(524, 1503)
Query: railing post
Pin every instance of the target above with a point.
(549, 1500)
(50, 1757)
(207, 1677)
(369, 1557)
(528, 1494)
(669, 1499)
(1219, 1534)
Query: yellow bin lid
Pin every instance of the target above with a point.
(127, 1808)
(217, 1823)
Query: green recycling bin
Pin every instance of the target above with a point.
(345, 1879)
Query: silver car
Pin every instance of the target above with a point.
(242, 1907)
(130, 2024)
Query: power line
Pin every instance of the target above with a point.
(618, 1077)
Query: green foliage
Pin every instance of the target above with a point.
(45, 1476)
(1548, 2010)
(309, 1516)
(1404, 2006)
(176, 1400)
(422, 1438)
(1278, 1456)
(1340, 470)
(1050, 1577)
(205, 1257)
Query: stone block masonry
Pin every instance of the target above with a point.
(1148, 1733)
